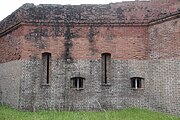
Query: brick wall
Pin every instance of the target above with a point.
(123, 12)
(163, 85)
(10, 46)
(84, 46)
(164, 40)
(10, 76)
(86, 42)
(138, 49)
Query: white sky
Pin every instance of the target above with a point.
(8, 6)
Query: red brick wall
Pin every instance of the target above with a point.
(85, 42)
(121, 42)
(35, 43)
(164, 40)
(10, 46)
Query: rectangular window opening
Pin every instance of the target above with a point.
(46, 67)
(77, 82)
(105, 69)
(106, 66)
(136, 82)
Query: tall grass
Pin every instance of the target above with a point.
(7, 113)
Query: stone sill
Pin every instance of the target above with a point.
(45, 85)
(106, 84)
(137, 89)
(78, 89)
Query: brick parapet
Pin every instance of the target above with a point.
(124, 13)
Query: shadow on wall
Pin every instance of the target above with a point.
(0, 94)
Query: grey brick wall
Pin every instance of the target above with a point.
(160, 87)
(163, 90)
(10, 75)
(21, 85)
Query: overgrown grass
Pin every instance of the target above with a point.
(7, 113)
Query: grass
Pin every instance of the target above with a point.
(7, 113)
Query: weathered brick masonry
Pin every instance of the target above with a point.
(44, 48)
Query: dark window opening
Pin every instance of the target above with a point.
(77, 82)
(105, 68)
(136, 82)
(46, 67)
(106, 63)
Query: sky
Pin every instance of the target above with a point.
(8, 6)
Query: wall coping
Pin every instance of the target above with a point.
(24, 16)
